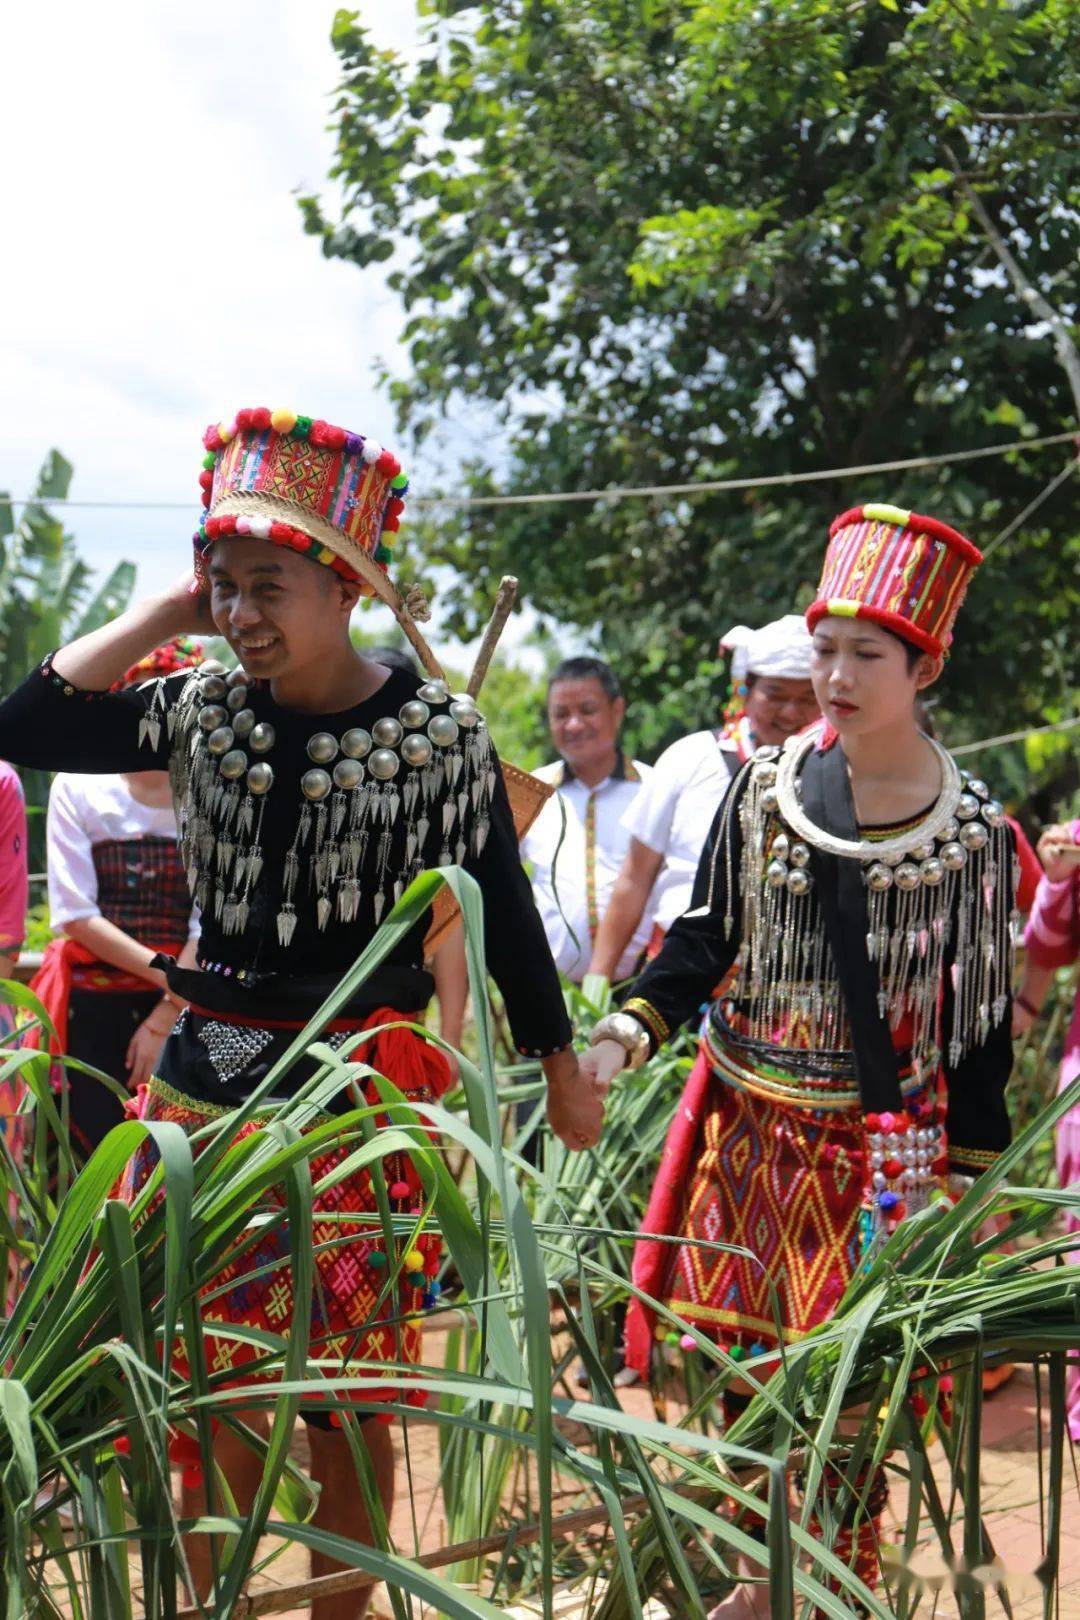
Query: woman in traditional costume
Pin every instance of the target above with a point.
(311, 786)
(861, 886)
(118, 897)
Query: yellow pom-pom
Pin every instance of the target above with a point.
(282, 421)
(660, 1334)
(225, 432)
(414, 1260)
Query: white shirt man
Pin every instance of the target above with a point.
(577, 845)
(669, 821)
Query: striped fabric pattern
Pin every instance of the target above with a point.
(906, 572)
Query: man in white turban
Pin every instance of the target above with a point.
(670, 818)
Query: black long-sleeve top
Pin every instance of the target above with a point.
(451, 808)
(725, 911)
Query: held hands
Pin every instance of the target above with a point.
(575, 1106)
(601, 1063)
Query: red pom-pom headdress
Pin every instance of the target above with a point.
(331, 495)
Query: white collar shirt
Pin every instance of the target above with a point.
(576, 848)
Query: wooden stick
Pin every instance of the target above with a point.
(412, 634)
(278, 1599)
(504, 602)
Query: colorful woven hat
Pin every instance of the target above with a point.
(906, 572)
(334, 496)
(179, 653)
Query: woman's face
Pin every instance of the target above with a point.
(862, 678)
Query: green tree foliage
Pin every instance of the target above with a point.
(47, 597)
(653, 242)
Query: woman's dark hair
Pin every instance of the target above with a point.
(911, 652)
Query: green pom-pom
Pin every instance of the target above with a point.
(383, 554)
(209, 461)
(303, 427)
(400, 482)
(737, 1352)
(377, 1259)
(673, 1339)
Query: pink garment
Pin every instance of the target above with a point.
(1052, 940)
(13, 875)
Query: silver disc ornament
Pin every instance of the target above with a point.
(322, 748)
(212, 715)
(262, 738)
(237, 676)
(387, 733)
(434, 691)
(234, 765)
(443, 731)
(973, 836)
(237, 698)
(416, 750)
(414, 714)
(213, 688)
(243, 723)
(260, 778)
(384, 764)
(220, 740)
(315, 785)
(348, 774)
(356, 743)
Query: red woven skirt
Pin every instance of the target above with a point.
(357, 1322)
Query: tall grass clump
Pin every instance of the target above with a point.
(536, 1256)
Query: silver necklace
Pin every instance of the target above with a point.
(863, 849)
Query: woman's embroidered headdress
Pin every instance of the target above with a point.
(906, 572)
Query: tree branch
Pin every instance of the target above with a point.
(1025, 289)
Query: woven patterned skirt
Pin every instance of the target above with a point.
(774, 1166)
(357, 1321)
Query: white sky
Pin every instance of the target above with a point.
(156, 273)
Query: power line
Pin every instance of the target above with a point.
(1032, 506)
(1016, 736)
(618, 493)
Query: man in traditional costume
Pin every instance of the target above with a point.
(861, 886)
(311, 785)
(669, 820)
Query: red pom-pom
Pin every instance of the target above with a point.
(280, 531)
(206, 497)
(873, 1122)
(399, 1189)
(387, 464)
(384, 1417)
(243, 421)
(417, 1397)
(212, 526)
(395, 506)
(335, 1420)
(206, 479)
(898, 1211)
(122, 1446)
(393, 524)
(227, 524)
(903, 1120)
(317, 432)
(893, 1167)
(940, 1164)
(919, 1404)
(191, 1478)
(335, 437)
(432, 1264)
(212, 438)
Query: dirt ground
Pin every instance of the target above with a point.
(1010, 1497)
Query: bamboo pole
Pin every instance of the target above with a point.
(278, 1599)
(504, 602)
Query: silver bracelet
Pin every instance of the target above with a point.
(626, 1032)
